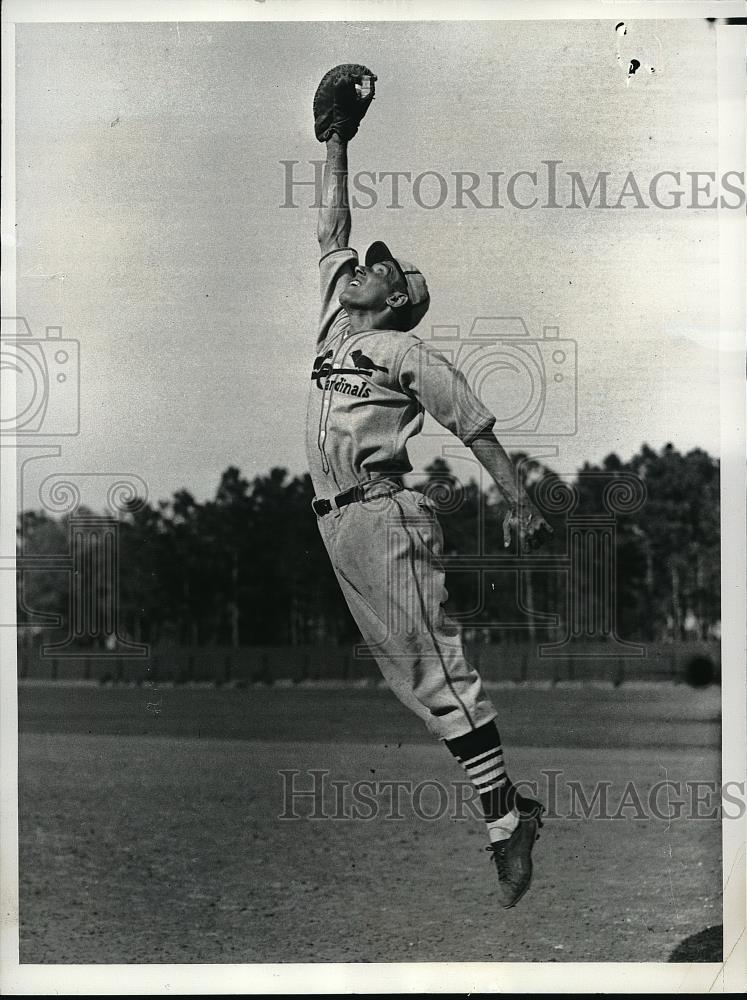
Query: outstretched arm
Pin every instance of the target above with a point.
(522, 513)
(340, 103)
(334, 222)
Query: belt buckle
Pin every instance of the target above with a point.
(321, 507)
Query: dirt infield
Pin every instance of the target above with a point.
(165, 844)
(568, 715)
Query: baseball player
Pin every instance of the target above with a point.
(371, 382)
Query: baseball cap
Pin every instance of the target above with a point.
(417, 290)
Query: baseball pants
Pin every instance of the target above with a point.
(386, 553)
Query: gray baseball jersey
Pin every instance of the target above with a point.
(370, 390)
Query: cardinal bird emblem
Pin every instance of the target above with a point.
(364, 363)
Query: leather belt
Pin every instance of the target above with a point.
(356, 494)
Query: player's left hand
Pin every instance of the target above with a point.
(531, 526)
(342, 100)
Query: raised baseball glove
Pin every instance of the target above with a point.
(342, 99)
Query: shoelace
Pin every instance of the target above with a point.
(499, 857)
(499, 853)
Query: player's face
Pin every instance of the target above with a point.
(371, 287)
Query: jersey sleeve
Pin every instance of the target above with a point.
(443, 391)
(336, 270)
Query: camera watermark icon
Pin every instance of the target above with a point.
(529, 383)
(40, 381)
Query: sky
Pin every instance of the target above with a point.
(150, 226)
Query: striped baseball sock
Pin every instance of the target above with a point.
(481, 755)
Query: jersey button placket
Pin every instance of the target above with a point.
(326, 400)
(323, 435)
(326, 403)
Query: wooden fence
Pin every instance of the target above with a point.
(268, 664)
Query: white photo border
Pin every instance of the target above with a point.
(417, 977)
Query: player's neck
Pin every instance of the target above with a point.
(362, 320)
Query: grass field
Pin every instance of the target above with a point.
(150, 829)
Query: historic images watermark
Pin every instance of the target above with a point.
(544, 186)
(315, 794)
(40, 405)
(529, 381)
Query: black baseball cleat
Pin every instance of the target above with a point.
(513, 856)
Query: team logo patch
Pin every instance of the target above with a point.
(365, 364)
(324, 370)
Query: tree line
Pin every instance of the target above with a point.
(249, 567)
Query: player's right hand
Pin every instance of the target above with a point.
(531, 526)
